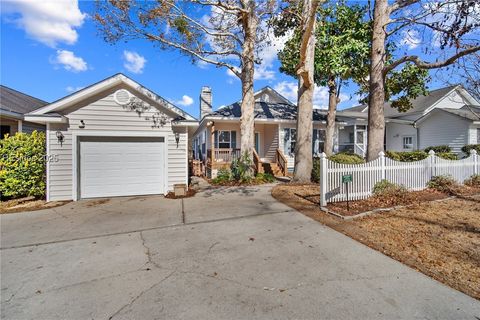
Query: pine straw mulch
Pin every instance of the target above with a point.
(439, 239)
(190, 193)
(28, 204)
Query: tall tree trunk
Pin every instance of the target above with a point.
(247, 124)
(332, 109)
(303, 147)
(376, 120)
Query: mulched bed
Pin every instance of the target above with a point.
(439, 238)
(28, 204)
(190, 193)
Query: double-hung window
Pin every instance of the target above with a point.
(289, 140)
(225, 139)
(408, 143)
(318, 141)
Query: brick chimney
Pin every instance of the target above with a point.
(205, 102)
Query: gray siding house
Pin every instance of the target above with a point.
(13, 106)
(446, 116)
(114, 138)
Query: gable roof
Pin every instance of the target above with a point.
(15, 101)
(105, 84)
(419, 104)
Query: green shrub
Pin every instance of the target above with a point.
(387, 188)
(315, 176)
(467, 148)
(443, 183)
(264, 178)
(347, 158)
(241, 168)
(439, 149)
(447, 155)
(22, 165)
(223, 176)
(407, 156)
(473, 181)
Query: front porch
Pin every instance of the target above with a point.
(353, 139)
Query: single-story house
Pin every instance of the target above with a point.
(13, 106)
(217, 139)
(446, 116)
(114, 138)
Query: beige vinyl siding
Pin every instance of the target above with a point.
(442, 128)
(103, 116)
(60, 171)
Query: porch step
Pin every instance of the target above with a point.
(272, 168)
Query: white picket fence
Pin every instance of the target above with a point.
(412, 175)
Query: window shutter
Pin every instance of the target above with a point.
(233, 139)
(216, 138)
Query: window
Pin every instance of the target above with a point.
(478, 135)
(4, 131)
(225, 139)
(204, 141)
(289, 139)
(318, 141)
(408, 143)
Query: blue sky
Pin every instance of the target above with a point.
(49, 49)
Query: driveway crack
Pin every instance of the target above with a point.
(147, 252)
(138, 296)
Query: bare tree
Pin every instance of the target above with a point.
(465, 71)
(453, 23)
(224, 33)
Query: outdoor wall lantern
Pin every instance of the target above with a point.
(60, 137)
(82, 124)
(177, 138)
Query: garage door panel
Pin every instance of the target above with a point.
(121, 168)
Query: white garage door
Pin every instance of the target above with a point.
(121, 167)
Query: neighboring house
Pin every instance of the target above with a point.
(13, 106)
(447, 116)
(217, 139)
(114, 138)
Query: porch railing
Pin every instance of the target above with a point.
(281, 161)
(223, 154)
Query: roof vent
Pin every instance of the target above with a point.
(122, 97)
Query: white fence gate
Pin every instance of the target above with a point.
(412, 175)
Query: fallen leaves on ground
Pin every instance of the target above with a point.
(440, 239)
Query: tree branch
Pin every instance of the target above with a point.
(196, 54)
(399, 4)
(429, 65)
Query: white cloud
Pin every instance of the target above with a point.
(185, 101)
(268, 55)
(133, 61)
(71, 89)
(410, 38)
(289, 90)
(69, 61)
(47, 21)
(202, 64)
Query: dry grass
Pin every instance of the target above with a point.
(440, 239)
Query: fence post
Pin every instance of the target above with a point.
(431, 156)
(474, 154)
(323, 179)
(382, 164)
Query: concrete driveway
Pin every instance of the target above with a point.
(239, 255)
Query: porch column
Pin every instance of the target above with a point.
(212, 141)
(354, 138)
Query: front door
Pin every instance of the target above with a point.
(257, 142)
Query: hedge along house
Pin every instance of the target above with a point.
(217, 140)
(114, 138)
